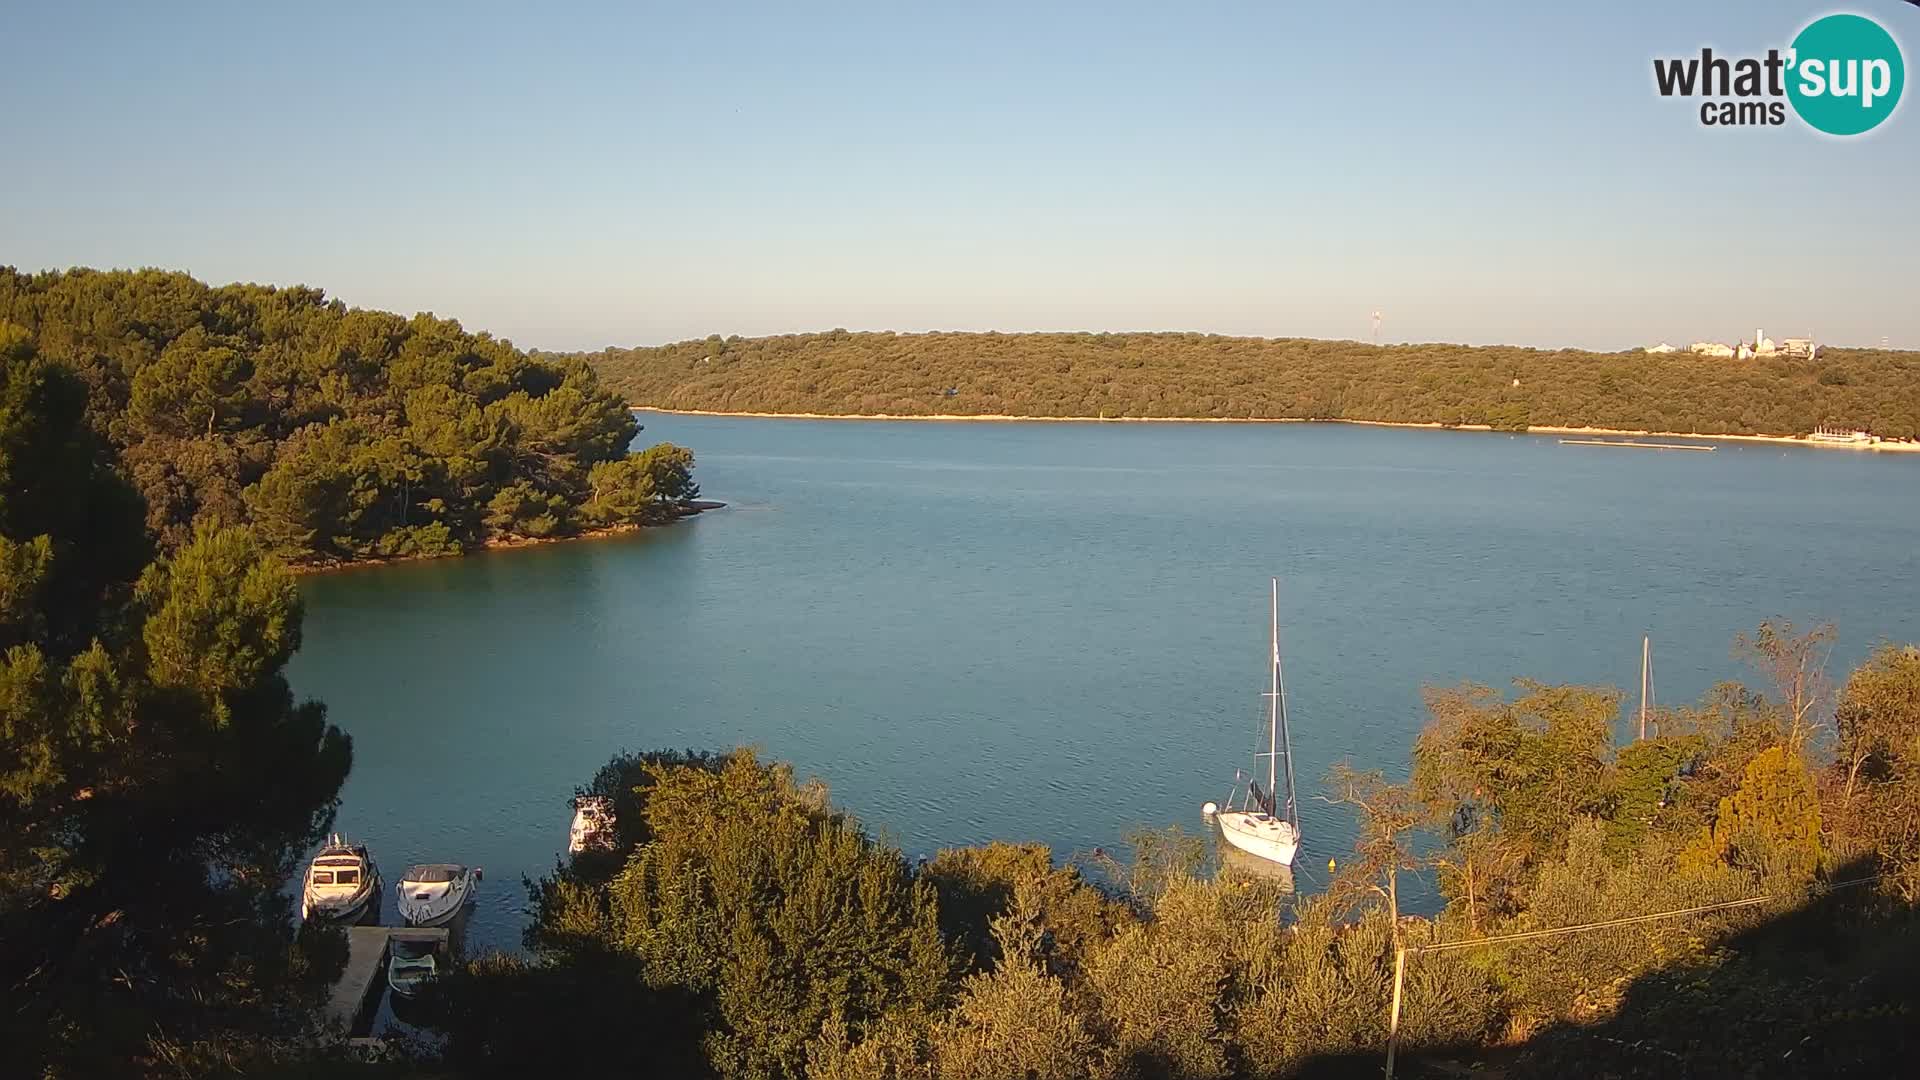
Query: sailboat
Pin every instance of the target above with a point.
(1262, 826)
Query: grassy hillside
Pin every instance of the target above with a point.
(1199, 375)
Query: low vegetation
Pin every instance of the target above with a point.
(338, 434)
(1206, 375)
(750, 929)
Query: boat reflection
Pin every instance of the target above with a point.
(1235, 863)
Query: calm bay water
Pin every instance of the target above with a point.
(1057, 632)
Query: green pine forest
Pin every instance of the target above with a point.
(1210, 376)
(337, 434)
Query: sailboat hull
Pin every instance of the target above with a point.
(1260, 835)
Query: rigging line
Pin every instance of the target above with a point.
(1286, 729)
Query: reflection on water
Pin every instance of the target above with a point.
(1234, 863)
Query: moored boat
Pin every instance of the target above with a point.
(342, 882)
(412, 962)
(431, 894)
(1263, 826)
(592, 828)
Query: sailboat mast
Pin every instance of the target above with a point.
(1273, 698)
(1646, 660)
(1280, 707)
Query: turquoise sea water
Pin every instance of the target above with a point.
(1057, 632)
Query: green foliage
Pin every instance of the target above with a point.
(1207, 375)
(1017, 1020)
(220, 615)
(339, 434)
(1877, 764)
(1533, 766)
(57, 482)
(978, 885)
(1772, 823)
(750, 895)
(157, 778)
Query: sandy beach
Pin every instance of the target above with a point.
(1785, 440)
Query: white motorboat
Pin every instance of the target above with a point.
(431, 894)
(342, 882)
(1262, 826)
(592, 825)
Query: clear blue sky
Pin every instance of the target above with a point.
(631, 174)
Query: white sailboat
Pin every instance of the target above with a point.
(1262, 826)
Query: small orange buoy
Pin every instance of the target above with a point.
(1330, 865)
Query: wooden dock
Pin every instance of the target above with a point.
(356, 997)
(1632, 442)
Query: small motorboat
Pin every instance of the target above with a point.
(431, 894)
(592, 825)
(412, 962)
(342, 882)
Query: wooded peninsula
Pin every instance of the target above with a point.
(337, 434)
(1207, 376)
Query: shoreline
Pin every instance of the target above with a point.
(1536, 429)
(504, 543)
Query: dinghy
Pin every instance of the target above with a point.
(412, 962)
(342, 883)
(431, 894)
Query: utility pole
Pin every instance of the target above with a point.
(1393, 1018)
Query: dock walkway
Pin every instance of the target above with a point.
(355, 998)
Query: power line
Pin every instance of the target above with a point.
(1402, 951)
(1445, 946)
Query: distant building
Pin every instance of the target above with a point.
(1843, 436)
(1663, 347)
(1761, 345)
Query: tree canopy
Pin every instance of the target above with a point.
(337, 433)
(158, 779)
(1207, 375)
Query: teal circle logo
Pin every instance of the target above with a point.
(1847, 74)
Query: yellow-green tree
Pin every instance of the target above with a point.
(1771, 824)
